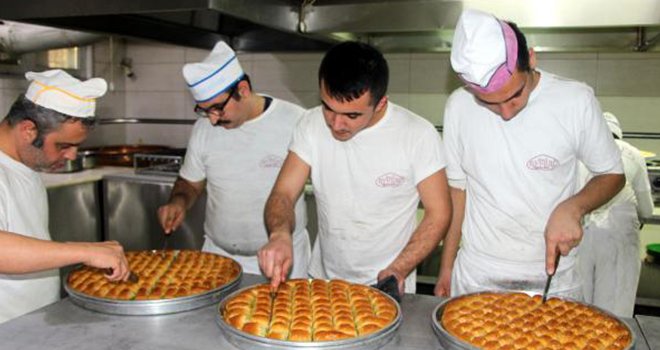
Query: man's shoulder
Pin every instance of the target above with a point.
(566, 86)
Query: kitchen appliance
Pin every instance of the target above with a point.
(653, 167)
(165, 162)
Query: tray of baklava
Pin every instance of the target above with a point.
(167, 282)
(521, 320)
(309, 314)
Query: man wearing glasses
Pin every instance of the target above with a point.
(235, 152)
(514, 135)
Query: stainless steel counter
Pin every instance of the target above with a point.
(64, 325)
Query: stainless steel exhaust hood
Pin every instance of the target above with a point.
(391, 25)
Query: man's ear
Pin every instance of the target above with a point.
(532, 59)
(27, 130)
(381, 104)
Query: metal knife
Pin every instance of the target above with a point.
(165, 241)
(547, 282)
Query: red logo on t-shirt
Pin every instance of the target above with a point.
(271, 161)
(542, 162)
(390, 180)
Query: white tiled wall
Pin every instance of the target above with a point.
(627, 84)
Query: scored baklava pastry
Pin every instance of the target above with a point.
(161, 275)
(519, 321)
(310, 311)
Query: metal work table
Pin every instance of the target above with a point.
(64, 325)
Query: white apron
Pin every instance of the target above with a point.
(609, 261)
(474, 272)
(250, 263)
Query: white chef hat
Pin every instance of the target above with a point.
(613, 124)
(484, 51)
(57, 90)
(214, 75)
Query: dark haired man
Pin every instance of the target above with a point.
(42, 129)
(370, 162)
(235, 152)
(514, 135)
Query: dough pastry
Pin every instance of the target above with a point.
(519, 321)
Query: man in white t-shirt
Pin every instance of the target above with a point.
(514, 135)
(235, 153)
(370, 162)
(43, 129)
(609, 253)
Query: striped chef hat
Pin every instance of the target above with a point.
(57, 90)
(218, 72)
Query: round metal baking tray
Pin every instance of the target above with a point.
(449, 341)
(152, 307)
(244, 340)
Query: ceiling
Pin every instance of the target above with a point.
(314, 25)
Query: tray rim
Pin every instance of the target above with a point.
(442, 332)
(387, 332)
(197, 300)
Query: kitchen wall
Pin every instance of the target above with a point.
(627, 84)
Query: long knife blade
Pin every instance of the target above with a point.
(547, 282)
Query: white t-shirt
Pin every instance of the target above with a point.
(24, 210)
(516, 172)
(240, 167)
(365, 189)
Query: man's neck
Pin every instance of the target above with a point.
(7, 141)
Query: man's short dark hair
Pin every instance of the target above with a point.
(351, 68)
(44, 119)
(523, 50)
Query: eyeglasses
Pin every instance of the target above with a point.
(217, 108)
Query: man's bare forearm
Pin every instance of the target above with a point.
(424, 240)
(598, 191)
(185, 192)
(279, 214)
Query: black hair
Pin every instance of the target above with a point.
(523, 50)
(351, 68)
(44, 119)
(237, 96)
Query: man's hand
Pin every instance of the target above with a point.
(170, 216)
(391, 271)
(276, 257)
(107, 255)
(562, 233)
(443, 286)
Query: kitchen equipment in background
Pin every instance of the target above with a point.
(119, 155)
(653, 253)
(653, 167)
(165, 162)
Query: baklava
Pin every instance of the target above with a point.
(161, 275)
(520, 321)
(310, 311)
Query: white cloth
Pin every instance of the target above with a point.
(516, 172)
(609, 253)
(613, 124)
(57, 90)
(482, 46)
(214, 75)
(365, 189)
(240, 167)
(24, 210)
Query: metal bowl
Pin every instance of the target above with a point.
(245, 340)
(449, 341)
(152, 307)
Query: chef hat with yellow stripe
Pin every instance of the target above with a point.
(57, 90)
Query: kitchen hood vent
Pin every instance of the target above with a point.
(313, 25)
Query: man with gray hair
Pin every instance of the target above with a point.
(44, 127)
